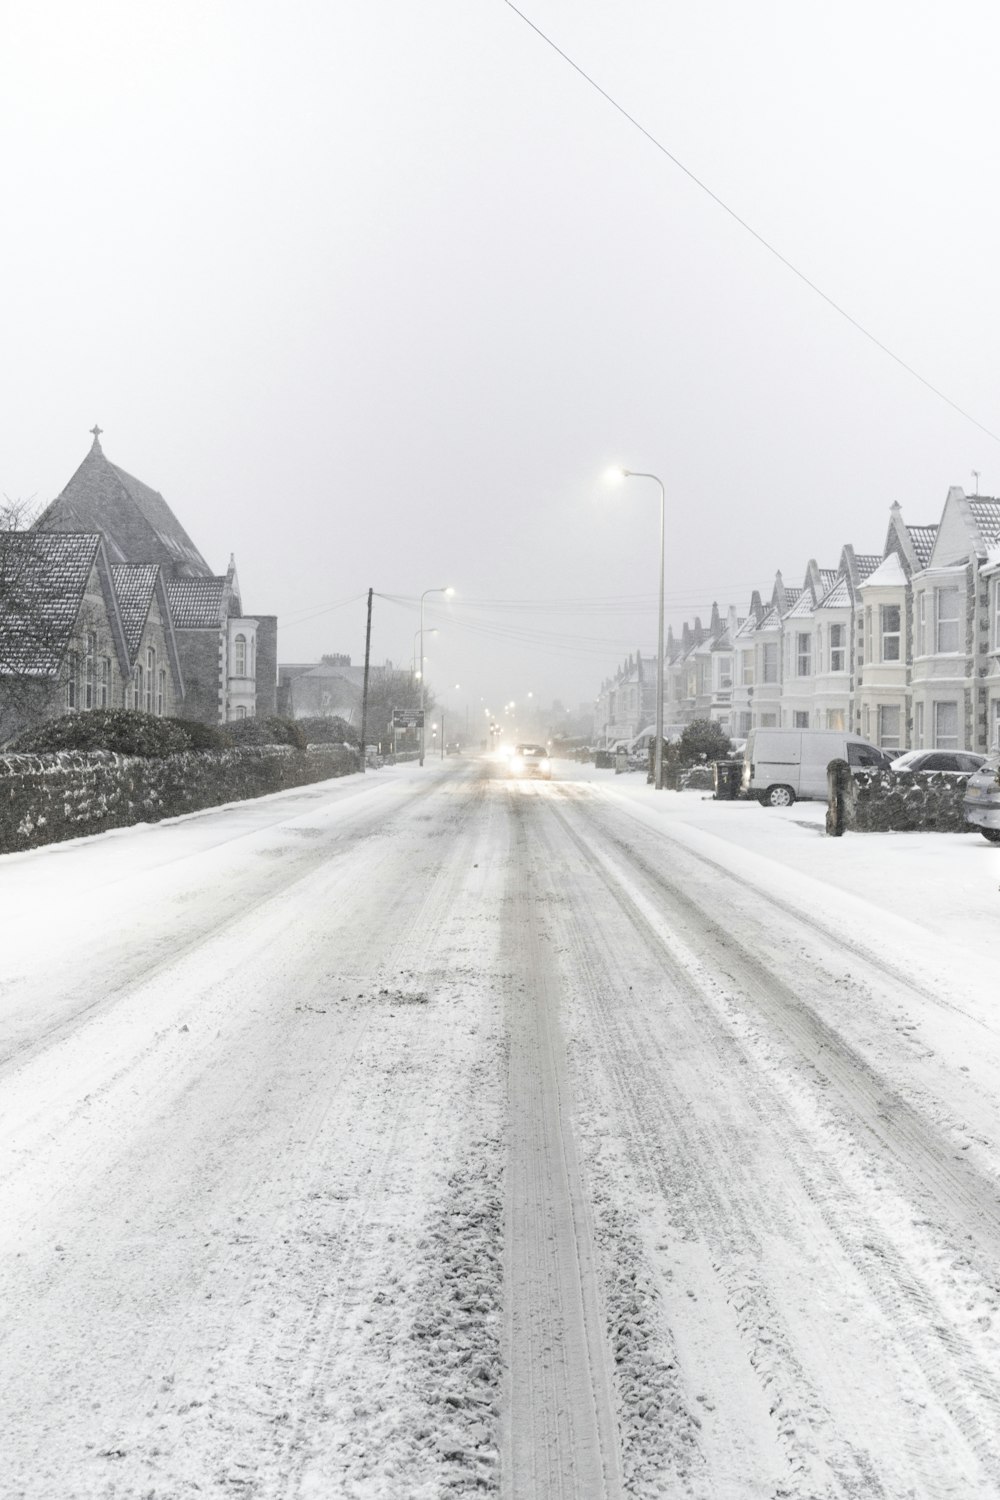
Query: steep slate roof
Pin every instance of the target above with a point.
(827, 577)
(838, 596)
(867, 563)
(137, 523)
(802, 608)
(922, 538)
(196, 603)
(986, 514)
(134, 585)
(45, 576)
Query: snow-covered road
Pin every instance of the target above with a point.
(432, 1134)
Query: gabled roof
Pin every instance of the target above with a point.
(867, 562)
(136, 522)
(802, 608)
(827, 577)
(134, 586)
(986, 514)
(197, 603)
(922, 540)
(45, 577)
(838, 596)
(889, 573)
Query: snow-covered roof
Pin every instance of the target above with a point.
(134, 585)
(802, 608)
(986, 514)
(838, 596)
(889, 572)
(922, 538)
(196, 603)
(45, 576)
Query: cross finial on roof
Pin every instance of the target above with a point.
(97, 433)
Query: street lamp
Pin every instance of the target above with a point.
(658, 754)
(419, 672)
(423, 596)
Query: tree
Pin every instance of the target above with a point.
(703, 740)
(389, 688)
(32, 627)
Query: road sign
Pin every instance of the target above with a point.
(405, 719)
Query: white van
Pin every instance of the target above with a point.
(782, 764)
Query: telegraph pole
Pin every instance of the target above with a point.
(364, 692)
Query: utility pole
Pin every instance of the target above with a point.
(364, 691)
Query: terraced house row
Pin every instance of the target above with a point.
(901, 646)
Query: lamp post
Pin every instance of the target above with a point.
(658, 753)
(419, 671)
(423, 596)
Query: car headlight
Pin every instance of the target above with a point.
(545, 765)
(516, 762)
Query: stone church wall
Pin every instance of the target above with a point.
(45, 799)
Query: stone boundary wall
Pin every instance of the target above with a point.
(904, 801)
(45, 799)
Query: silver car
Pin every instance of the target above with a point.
(982, 799)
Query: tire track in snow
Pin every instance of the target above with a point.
(965, 1385)
(559, 1434)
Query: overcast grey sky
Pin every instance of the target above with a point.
(374, 292)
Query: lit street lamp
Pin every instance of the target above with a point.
(658, 754)
(423, 596)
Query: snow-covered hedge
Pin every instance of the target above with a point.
(900, 801)
(47, 798)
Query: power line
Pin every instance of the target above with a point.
(772, 249)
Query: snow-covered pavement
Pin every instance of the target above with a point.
(432, 1134)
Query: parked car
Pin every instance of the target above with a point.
(982, 798)
(453, 747)
(531, 760)
(780, 765)
(938, 760)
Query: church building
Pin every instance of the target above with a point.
(116, 607)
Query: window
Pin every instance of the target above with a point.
(838, 655)
(800, 719)
(73, 680)
(770, 664)
(921, 624)
(746, 676)
(725, 673)
(996, 614)
(137, 687)
(161, 691)
(803, 656)
(890, 632)
(240, 656)
(946, 726)
(241, 712)
(946, 636)
(746, 723)
(918, 726)
(866, 755)
(866, 719)
(89, 671)
(150, 678)
(104, 682)
(995, 726)
(888, 724)
(835, 718)
(769, 721)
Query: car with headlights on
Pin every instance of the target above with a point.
(982, 798)
(531, 760)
